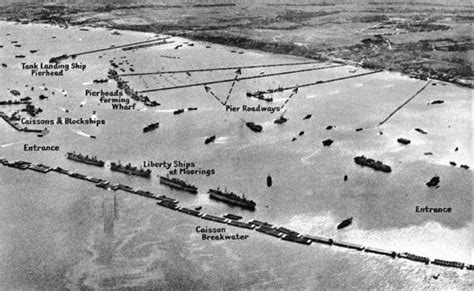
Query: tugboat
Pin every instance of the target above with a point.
(176, 183)
(129, 170)
(151, 127)
(210, 139)
(232, 198)
(85, 159)
(253, 126)
(345, 223)
(376, 165)
(281, 119)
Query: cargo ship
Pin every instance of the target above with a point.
(345, 223)
(151, 127)
(130, 170)
(232, 198)
(85, 159)
(376, 165)
(253, 126)
(178, 184)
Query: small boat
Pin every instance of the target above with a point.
(92, 136)
(269, 181)
(179, 111)
(345, 223)
(433, 182)
(43, 133)
(327, 142)
(210, 139)
(403, 141)
(281, 120)
(254, 127)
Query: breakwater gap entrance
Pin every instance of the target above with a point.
(234, 220)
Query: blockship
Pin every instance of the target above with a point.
(178, 184)
(129, 170)
(232, 198)
(85, 159)
(376, 165)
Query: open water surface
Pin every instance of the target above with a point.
(57, 232)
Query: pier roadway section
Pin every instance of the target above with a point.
(242, 79)
(260, 226)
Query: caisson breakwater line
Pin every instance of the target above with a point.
(234, 220)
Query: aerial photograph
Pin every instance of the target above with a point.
(236, 145)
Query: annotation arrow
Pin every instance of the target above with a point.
(208, 90)
(293, 92)
(237, 74)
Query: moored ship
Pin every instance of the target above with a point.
(178, 184)
(58, 59)
(376, 165)
(253, 126)
(210, 139)
(403, 141)
(260, 95)
(179, 111)
(345, 223)
(130, 170)
(232, 198)
(85, 159)
(151, 127)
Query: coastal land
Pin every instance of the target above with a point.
(419, 39)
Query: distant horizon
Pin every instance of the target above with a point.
(240, 2)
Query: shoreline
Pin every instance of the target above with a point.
(246, 42)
